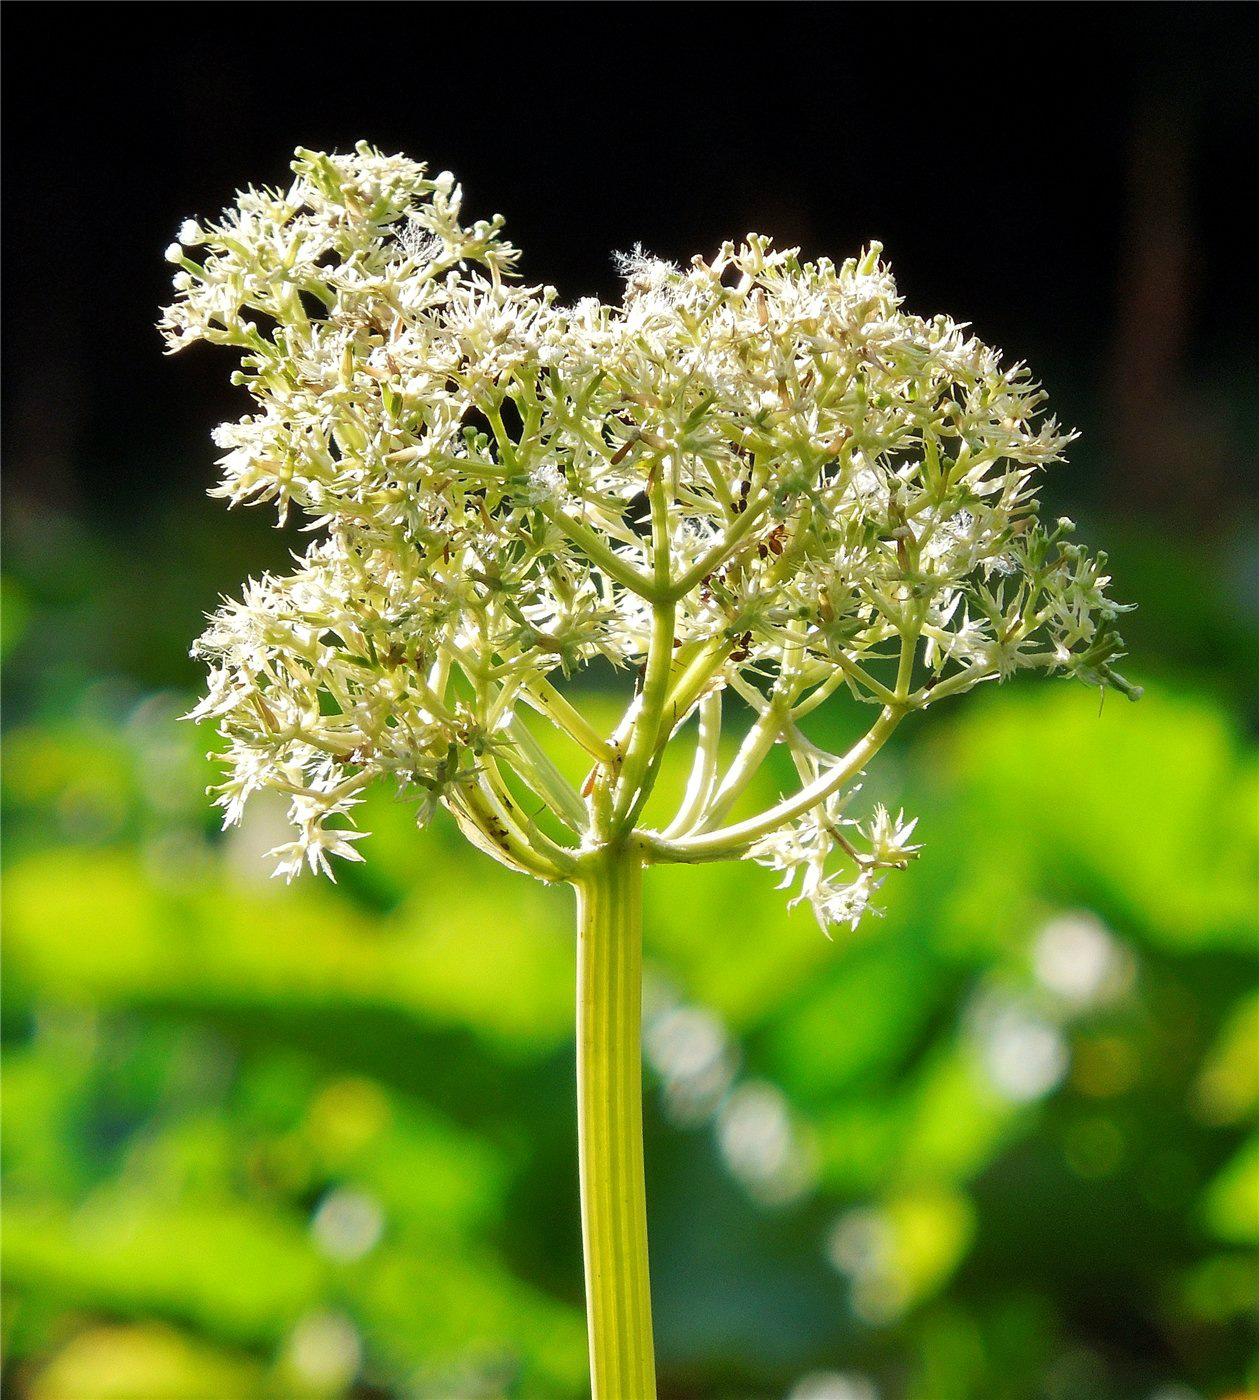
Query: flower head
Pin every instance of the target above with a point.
(757, 477)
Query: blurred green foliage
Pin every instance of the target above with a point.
(268, 1143)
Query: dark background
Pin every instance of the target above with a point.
(1074, 181)
(1070, 178)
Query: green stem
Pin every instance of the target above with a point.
(543, 697)
(731, 842)
(724, 548)
(637, 772)
(598, 551)
(610, 1124)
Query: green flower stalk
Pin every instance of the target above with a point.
(756, 481)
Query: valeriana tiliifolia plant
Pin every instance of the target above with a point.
(756, 479)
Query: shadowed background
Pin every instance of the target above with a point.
(277, 1144)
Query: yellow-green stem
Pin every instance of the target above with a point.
(610, 1124)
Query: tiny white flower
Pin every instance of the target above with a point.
(837, 903)
(888, 838)
(313, 848)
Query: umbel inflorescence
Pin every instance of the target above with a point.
(757, 478)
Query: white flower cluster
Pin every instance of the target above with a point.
(757, 478)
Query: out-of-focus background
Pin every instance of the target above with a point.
(307, 1143)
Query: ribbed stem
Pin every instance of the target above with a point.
(610, 1124)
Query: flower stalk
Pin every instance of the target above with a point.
(756, 484)
(610, 1123)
